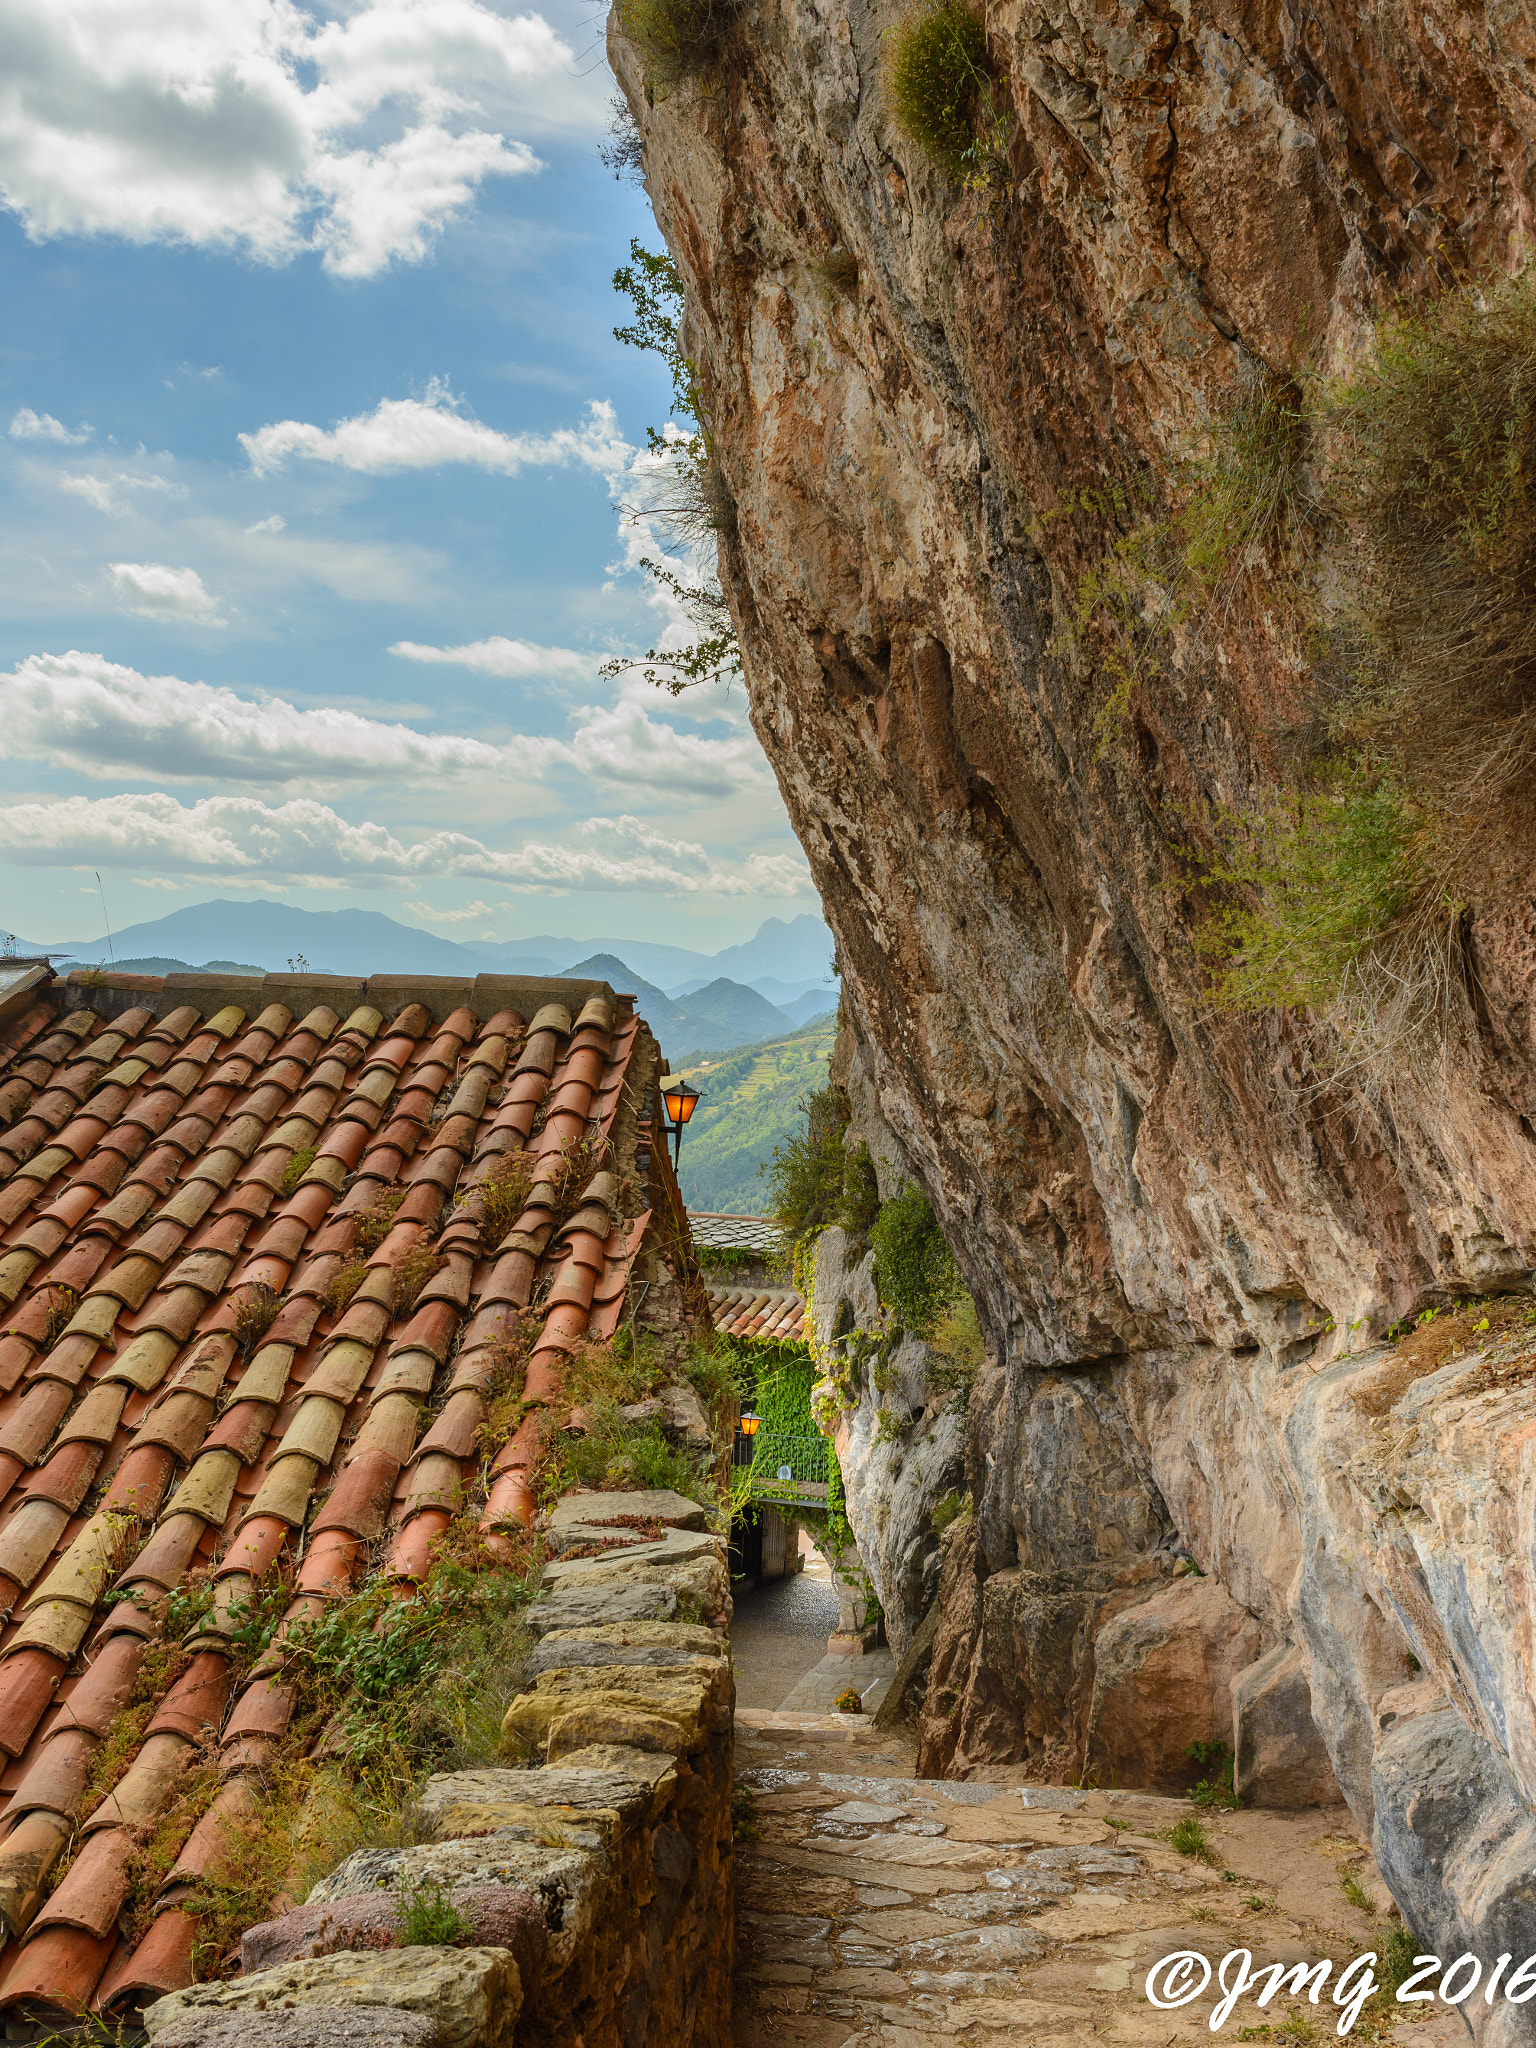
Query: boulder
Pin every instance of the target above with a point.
(471, 1996)
(1163, 1673)
(1280, 1756)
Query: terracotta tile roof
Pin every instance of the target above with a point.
(721, 1232)
(775, 1312)
(168, 1151)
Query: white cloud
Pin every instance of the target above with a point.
(157, 592)
(238, 838)
(106, 493)
(463, 916)
(27, 425)
(96, 717)
(424, 433)
(83, 712)
(273, 523)
(252, 125)
(501, 657)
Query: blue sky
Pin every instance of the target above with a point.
(311, 430)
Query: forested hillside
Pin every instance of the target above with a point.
(750, 1101)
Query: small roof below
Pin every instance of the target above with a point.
(721, 1232)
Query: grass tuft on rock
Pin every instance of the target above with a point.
(678, 39)
(939, 73)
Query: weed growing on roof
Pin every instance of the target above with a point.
(297, 1167)
(503, 1195)
(427, 1915)
(61, 1310)
(615, 1454)
(413, 1269)
(508, 1372)
(256, 1310)
(344, 1283)
(370, 1226)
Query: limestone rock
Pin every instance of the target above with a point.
(1163, 1679)
(302, 2026)
(1280, 1758)
(671, 1707)
(498, 1916)
(672, 1510)
(598, 1605)
(471, 1996)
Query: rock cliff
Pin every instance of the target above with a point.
(1183, 1240)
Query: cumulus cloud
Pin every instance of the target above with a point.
(104, 720)
(106, 493)
(155, 591)
(101, 719)
(307, 842)
(501, 657)
(251, 124)
(425, 433)
(27, 425)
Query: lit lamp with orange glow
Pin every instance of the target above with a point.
(678, 1100)
(750, 1424)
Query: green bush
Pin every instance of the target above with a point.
(939, 71)
(427, 1915)
(814, 1180)
(915, 1271)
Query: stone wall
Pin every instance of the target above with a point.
(594, 1874)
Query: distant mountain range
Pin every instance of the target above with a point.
(777, 980)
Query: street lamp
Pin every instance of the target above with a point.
(750, 1424)
(678, 1100)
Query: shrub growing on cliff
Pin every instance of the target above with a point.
(678, 39)
(814, 1180)
(939, 77)
(915, 1271)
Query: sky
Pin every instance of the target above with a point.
(314, 443)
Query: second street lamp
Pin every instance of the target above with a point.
(678, 1100)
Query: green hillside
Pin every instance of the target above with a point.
(749, 1102)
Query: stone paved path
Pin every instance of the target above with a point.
(880, 1912)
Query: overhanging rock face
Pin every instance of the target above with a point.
(930, 411)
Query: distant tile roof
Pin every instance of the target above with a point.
(720, 1232)
(777, 1312)
(147, 1129)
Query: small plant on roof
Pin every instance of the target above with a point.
(61, 1312)
(413, 1269)
(255, 1312)
(344, 1283)
(297, 1167)
(372, 1225)
(503, 1196)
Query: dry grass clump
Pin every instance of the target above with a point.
(344, 1283)
(1431, 447)
(678, 39)
(412, 1270)
(503, 1195)
(938, 81)
(256, 1311)
(372, 1225)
